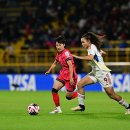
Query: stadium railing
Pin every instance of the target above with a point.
(34, 60)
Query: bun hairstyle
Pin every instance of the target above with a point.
(61, 39)
(94, 39)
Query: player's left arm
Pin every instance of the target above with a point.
(88, 58)
(102, 52)
(71, 71)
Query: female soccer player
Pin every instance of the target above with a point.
(67, 77)
(100, 73)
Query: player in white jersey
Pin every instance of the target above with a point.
(100, 73)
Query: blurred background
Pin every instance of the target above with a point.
(27, 49)
(28, 29)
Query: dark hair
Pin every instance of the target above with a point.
(61, 39)
(94, 38)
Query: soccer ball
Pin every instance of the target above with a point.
(33, 109)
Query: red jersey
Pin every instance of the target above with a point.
(62, 57)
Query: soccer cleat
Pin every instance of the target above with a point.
(79, 108)
(127, 111)
(56, 111)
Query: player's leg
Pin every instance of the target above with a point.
(56, 87)
(81, 93)
(106, 80)
(71, 94)
(111, 93)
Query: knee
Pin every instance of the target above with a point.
(54, 90)
(79, 85)
(68, 98)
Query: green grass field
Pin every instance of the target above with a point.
(101, 112)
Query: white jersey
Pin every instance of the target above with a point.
(97, 63)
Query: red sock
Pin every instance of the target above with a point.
(56, 99)
(75, 94)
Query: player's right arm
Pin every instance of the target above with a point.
(88, 57)
(52, 66)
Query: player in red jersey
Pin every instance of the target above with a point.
(67, 76)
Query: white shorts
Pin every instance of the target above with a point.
(103, 77)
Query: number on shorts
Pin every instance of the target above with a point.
(107, 79)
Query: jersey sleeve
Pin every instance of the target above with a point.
(67, 55)
(92, 50)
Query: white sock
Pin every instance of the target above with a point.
(81, 98)
(124, 103)
(58, 108)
